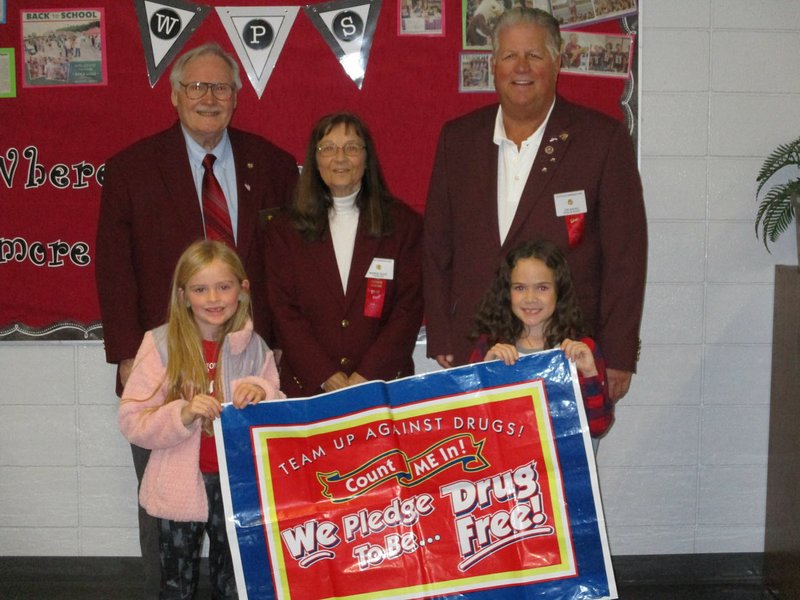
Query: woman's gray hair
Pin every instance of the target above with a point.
(212, 48)
(521, 15)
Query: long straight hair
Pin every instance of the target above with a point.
(312, 199)
(497, 321)
(187, 374)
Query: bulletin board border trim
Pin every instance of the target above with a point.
(63, 330)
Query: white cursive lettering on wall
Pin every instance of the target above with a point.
(44, 254)
(76, 176)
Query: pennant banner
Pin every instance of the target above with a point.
(258, 33)
(165, 27)
(348, 27)
(454, 483)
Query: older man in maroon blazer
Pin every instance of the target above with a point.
(152, 209)
(537, 166)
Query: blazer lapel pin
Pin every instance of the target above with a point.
(550, 149)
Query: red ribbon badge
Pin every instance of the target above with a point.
(375, 296)
(575, 228)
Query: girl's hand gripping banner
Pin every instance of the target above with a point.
(449, 484)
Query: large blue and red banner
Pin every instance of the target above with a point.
(450, 484)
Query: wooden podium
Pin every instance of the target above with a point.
(782, 537)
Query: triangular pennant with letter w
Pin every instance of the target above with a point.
(165, 26)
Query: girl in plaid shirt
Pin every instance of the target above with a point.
(530, 306)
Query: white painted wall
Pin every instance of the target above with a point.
(684, 468)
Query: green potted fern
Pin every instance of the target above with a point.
(781, 203)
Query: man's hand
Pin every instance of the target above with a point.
(445, 360)
(125, 368)
(618, 383)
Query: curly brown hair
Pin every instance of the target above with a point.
(497, 321)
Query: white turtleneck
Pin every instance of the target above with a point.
(343, 224)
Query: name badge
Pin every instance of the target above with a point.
(570, 203)
(381, 268)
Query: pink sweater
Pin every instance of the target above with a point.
(172, 486)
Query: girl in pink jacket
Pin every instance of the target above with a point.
(206, 354)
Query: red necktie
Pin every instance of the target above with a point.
(215, 208)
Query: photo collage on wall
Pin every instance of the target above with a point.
(63, 47)
(603, 55)
(420, 17)
(582, 52)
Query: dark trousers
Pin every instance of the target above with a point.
(181, 543)
(148, 533)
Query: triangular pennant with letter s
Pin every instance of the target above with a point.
(348, 27)
(165, 26)
(258, 33)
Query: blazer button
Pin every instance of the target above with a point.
(343, 361)
(345, 323)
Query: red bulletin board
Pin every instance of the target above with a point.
(54, 140)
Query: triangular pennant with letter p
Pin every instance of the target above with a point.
(258, 33)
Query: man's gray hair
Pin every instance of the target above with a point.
(211, 48)
(521, 15)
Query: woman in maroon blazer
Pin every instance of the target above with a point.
(344, 268)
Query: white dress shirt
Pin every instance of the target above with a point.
(513, 167)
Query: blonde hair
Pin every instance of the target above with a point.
(187, 374)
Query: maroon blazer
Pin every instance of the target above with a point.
(322, 330)
(581, 150)
(150, 213)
